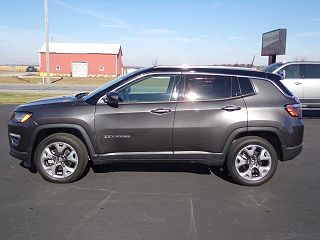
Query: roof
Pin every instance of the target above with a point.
(300, 62)
(206, 67)
(248, 72)
(83, 48)
(245, 72)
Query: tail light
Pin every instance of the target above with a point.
(294, 110)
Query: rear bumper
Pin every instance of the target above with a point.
(291, 152)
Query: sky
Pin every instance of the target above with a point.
(164, 32)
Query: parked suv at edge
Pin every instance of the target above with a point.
(302, 79)
(243, 119)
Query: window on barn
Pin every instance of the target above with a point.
(57, 68)
(101, 68)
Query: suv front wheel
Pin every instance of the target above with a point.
(252, 161)
(61, 158)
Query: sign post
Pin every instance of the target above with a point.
(273, 44)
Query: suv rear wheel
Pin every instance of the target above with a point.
(252, 161)
(61, 158)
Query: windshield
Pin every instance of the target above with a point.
(109, 84)
(272, 67)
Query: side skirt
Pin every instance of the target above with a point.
(207, 158)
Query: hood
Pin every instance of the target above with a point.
(48, 103)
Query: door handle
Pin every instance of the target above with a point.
(297, 83)
(231, 108)
(160, 110)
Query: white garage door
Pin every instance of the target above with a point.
(79, 69)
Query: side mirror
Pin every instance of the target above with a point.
(282, 73)
(112, 99)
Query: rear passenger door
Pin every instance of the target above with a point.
(311, 85)
(210, 108)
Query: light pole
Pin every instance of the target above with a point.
(46, 29)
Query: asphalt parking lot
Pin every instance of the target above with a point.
(161, 201)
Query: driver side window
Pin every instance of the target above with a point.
(291, 71)
(153, 88)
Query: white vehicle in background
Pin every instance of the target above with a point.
(302, 79)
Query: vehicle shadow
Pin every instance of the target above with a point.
(222, 172)
(30, 167)
(163, 167)
(195, 168)
(151, 167)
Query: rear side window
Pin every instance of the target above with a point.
(311, 70)
(206, 87)
(245, 86)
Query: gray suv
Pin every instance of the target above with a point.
(242, 119)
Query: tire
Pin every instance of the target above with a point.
(252, 161)
(61, 158)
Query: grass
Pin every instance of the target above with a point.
(15, 80)
(16, 98)
(56, 80)
(15, 68)
(84, 81)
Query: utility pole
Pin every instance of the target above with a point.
(46, 29)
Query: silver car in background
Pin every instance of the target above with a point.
(302, 79)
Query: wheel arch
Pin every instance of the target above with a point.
(270, 134)
(43, 131)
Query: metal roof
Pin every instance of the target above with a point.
(82, 48)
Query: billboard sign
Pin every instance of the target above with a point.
(274, 42)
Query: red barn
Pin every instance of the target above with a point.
(82, 59)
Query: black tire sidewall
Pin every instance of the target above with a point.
(240, 144)
(74, 142)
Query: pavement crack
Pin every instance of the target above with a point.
(93, 189)
(88, 216)
(132, 192)
(29, 231)
(192, 231)
(258, 204)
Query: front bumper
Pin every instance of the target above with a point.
(24, 156)
(19, 136)
(291, 152)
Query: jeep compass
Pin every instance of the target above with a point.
(237, 118)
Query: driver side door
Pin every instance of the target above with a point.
(141, 127)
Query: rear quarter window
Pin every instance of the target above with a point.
(245, 86)
(282, 87)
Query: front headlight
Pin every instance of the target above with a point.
(21, 116)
